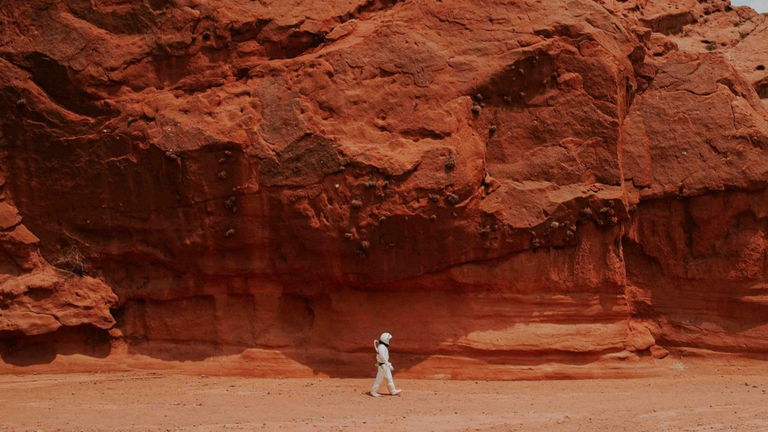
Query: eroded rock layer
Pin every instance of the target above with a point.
(512, 188)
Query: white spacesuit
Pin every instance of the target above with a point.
(383, 366)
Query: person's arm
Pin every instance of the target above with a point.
(384, 353)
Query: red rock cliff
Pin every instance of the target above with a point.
(512, 188)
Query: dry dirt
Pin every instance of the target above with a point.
(160, 402)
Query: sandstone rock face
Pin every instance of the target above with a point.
(513, 189)
(37, 298)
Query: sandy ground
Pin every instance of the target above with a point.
(162, 402)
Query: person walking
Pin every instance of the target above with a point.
(383, 366)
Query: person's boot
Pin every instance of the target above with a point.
(374, 394)
(393, 391)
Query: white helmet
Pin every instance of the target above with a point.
(385, 337)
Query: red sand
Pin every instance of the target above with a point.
(158, 402)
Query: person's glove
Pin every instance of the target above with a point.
(392, 368)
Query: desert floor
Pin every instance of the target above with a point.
(146, 401)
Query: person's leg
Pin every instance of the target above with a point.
(377, 382)
(390, 381)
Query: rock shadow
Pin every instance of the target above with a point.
(21, 350)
